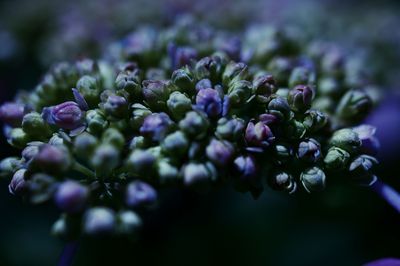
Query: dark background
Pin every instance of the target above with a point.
(342, 226)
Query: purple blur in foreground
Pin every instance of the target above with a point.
(384, 262)
(12, 113)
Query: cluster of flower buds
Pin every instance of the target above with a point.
(103, 139)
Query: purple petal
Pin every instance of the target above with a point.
(80, 100)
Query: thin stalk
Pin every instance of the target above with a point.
(387, 193)
(84, 170)
(68, 254)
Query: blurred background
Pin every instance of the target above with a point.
(343, 226)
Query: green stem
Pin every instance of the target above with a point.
(84, 170)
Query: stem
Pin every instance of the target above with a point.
(84, 170)
(387, 193)
(68, 253)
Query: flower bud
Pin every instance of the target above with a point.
(246, 170)
(329, 86)
(234, 72)
(140, 194)
(18, 138)
(141, 161)
(139, 113)
(203, 84)
(300, 98)
(18, 185)
(175, 144)
(12, 113)
(156, 126)
(41, 188)
(283, 181)
(369, 143)
(280, 108)
(194, 124)
(128, 222)
(209, 101)
(155, 93)
(31, 151)
(129, 81)
(183, 79)
(299, 76)
(52, 159)
(309, 151)
(113, 137)
(264, 85)
(34, 125)
(9, 165)
(89, 88)
(180, 56)
(179, 104)
(116, 106)
(71, 196)
(313, 179)
(314, 120)
(295, 129)
(67, 115)
(239, 92)
(105, 158)
(280, 68)
(336, 158)
(96, 121)
(283, 152)
(230, 129)
(258, 135)
(346, 139)
(220, 152)
(354, 106)
(99, 221)
(167, 172)
(84, 145)
(195, 174)
(361, 169)
(209, 68)
(138, 142)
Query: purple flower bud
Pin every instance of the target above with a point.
(18, 184)
(258, 135)
(220, 152)
(156, 126)
(309, 150)
(139, 193)
(203, 84)
(300, 97)
(12, 113)
(155, 93)
(30, 151)
(99, 220)
(71, 196)
(67, 115)
(369, 143)
(116, 106)
(264, 85)
(209, 101)
(51, 159)
(181, 56)
(245, 167)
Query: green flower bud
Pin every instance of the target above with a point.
(330, 87)
(34, 125)
(84, 145)
(346, 139)
(313, 179)
(183, 78)
(295, 129)
(129, 81)
(209, 68)
(300, 76)
(113, 137)
(41, 188)
(141, 162)
(179, 104)
(281, 69)
(282, 181)
(336, 159)
(89, 87)
(167, 172)
(138, 142)
(96, 121)
(9, 166)
(264, 85)
(128, 222)
(239, 92)
(116, 106)
(324, 104)
(283, 152)
(105, 159)
(195, 174)
(18, 138)
(139, 113)
(354, 106)
(230, 129)
(361, 169)
(195, 125)
(234, 72)
(155, 93)
(175, 144)
(314, 120)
